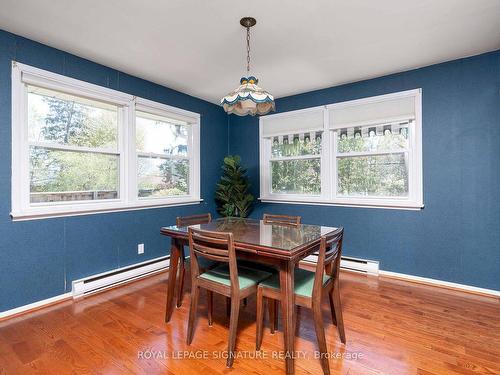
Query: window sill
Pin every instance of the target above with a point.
(93, 208)
(391, 205)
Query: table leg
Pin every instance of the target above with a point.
(175, 250)
(288, 309)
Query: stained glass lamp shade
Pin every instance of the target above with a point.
(248, 99)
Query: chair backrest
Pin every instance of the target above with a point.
(218, 246)
(282, 220)
(330, 252)
(184, 221)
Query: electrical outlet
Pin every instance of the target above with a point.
(140, 248)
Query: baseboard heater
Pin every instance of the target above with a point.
(370, 267)
(96, 283)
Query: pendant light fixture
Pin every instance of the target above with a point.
(248, 98)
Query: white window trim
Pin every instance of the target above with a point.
(328, 194)
(22, 209)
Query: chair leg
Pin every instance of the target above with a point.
(195, 290)
(260, 318)
(180, 290)
(320, 334)
(335, 295)
(273, 314)
(332, 307)
(271, 308)
(210, 304)
(297, 321)
(228, 306)
(233, 327)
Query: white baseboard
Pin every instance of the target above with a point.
(35, 305)
(440, 283)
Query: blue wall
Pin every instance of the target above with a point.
(457, 236)
(39, 259)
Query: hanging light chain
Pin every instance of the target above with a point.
(248, 50)
(248, 98)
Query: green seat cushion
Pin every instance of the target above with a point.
(304, 282)
(246, 276)
(204, 262)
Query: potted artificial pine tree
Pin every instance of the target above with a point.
(232, 194)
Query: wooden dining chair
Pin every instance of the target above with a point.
(184, 221)
(281, 219)
(293, 221)
(309, 289)
(310, 262)
(226, 279)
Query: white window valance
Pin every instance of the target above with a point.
(299, 123)
(398, 127)
(351, 114)
(288, 139)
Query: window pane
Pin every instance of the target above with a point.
(380, 175)
(296, 176)
(72, 176)
(161, 135)
(296, 145)
(70, 120)
(372, 139)
(162, 177)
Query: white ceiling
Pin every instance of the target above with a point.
(197, 47)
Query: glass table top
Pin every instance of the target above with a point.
(255, 232)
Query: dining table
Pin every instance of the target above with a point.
(274, 245)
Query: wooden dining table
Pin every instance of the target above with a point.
(278, 246)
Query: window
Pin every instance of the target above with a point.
(362, 153)
(73, 147)
(373, 162)
(162, 156)
(296, 164)
(82, 148)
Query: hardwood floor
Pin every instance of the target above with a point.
(392, 327)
